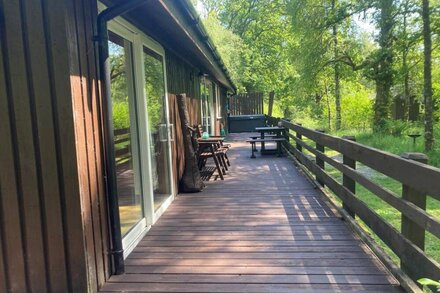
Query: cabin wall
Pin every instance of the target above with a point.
(182, 78)
(87, 107)
(185, 78)
(52, 210)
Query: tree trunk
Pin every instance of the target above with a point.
(427, 89)
(329, 116)
(191, 180)
(384, 71)
(337, 74)
(271, 98)
(405, 68)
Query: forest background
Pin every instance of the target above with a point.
(369, 67)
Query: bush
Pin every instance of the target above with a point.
(121, 116)
(395, 127)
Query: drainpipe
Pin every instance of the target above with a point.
(117, 252)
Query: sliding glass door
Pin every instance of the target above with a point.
(206, 89)
(158, 126)
(126, 140)
(142, 133)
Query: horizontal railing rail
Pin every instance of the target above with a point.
(418, 180)
(122, 143)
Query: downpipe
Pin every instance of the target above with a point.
(102, 39)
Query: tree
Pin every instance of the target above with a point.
(427, 89)
(384, 65)
(337, 72)
(262, 27)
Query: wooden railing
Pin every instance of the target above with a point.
(418, 180)
(246, 104)
(122, 145)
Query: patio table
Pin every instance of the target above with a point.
(279, 131)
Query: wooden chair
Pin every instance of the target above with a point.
(222, 146)
(212, 150)
(217, 154)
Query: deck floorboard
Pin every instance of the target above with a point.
(263, 229)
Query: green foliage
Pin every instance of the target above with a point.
(121, 116)
(154, 88)
(295, 47)
(394, 127)
(425, 282)
(356, 106)
(235, 53)
(258, 41)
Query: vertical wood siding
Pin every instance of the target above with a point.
(53, 230)
(87, 105)
(182, 78)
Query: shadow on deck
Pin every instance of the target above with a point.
(263, 229)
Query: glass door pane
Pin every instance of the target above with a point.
(158, 127)
(207, 102)
(125, 133)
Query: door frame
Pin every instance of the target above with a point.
(139, 40)
(207, 104)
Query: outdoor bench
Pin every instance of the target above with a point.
(253, 142)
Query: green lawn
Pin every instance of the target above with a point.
(396, 145)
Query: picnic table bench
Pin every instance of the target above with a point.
(253, 142)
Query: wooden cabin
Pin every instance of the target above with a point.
(91, 145)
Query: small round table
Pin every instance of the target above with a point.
(414, 136)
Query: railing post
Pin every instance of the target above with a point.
(411, 230)
(319, 161)
(349, 183)
(299, 136)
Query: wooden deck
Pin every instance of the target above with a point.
(263, 229)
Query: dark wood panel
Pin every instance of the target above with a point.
(29, 189)
(57, 15)
(12, 242)
(95, 105)
(41, 99)
(246, 104)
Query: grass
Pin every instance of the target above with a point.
(396, 145)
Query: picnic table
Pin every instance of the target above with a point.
(279, 131)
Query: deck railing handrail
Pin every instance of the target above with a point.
(418, 179)
(122, 145)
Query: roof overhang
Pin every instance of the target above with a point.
(176, 25)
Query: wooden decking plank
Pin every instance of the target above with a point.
(236, 288)
(250, 262)
(247, 233)
(236, 249)
(255, 255)
(268, 231)
(249, 238)
(276, 277)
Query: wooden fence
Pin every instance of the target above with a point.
(418, 180)
(246, 104)
(122, 145)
